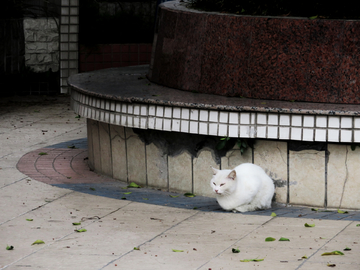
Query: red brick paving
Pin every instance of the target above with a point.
(59, 166)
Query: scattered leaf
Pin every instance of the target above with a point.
(309, 225)
(69, 177)
(175, 196)
(313, 17)
(252, 260)
(72, 147)
(342, 212)
(284, 239)
(357, 225)
(93, 189)
(177, 250)
(81, 230)
(347, 249)
(331, 264)
(145, 199)
(190, 195)
(273, 214)
(133, 185)
(304, 257)
(42, 154)
(9, 247)
(127, 193)
(136, 248)
(314, 209)
(235, 250)
(269, 239)
(38, 242)
(336, 252)
(123, 198)
(29, 219)
(76, 223)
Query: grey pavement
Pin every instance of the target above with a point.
(167, 232)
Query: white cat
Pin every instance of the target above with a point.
(245, 188)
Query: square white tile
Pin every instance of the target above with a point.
(167, 124)
(184, 126)
(159, 111)
(234, 118)
(107, 105)
(273, 119)
(357, 122)
(175, 125)
(334, 122)
(357, 136)
(296, 134)
(185, 113)
(320, 135)
(284, 119)
(136, 109)
(144, 110)
(124, 108)
(284, 133)
(152, 110)
(223, 117)
(262, 118)
(143, 122)
(159, 123)
(333, 135)
(123, 120)
(194, 127)
(112, 106)
(233, 131)
(346, 135)
(321, 121)
(223, 130)
(213, 116)
(272, 132)
(118, 107)
(204, 116)
(308, 135)
(346, 122)
(213, 129)
(168, 112)
(245, 131)
(309, 120)
(130, 109)
(244, 118)
(194, 114)
(203, 128)
(117, 119)
(129, 121)
(176, 112)
(296, 120)
(151, 123)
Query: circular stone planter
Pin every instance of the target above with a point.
(257, 57)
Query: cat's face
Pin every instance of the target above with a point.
(223, 182)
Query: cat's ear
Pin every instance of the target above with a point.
(215, 171)
(232, 175)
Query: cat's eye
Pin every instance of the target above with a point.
(214, 183)
(221, 185)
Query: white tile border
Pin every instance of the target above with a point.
(310, 128)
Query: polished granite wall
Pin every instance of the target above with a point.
(317, 174)
(257, 57)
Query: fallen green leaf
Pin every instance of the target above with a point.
(304, 257)
(347, 249)
(252, 260)
(235, 250)
(269, 239)
(273, 214)
(336, 252)
(133, 185)
(42, 154)
(29, 219)
(38, 242)
(78, 116)
(342, 212)
(331, 264)
(357, 225)
(309, 225)
(313, 17)
(127, 193)
(136, 248)
(145, 199)
(190, 195)
(76, 223)
(284, 239)
(81, 230)
(314, 209)
(177, 250)
(93, 189)
(174, 196)
(9, 247)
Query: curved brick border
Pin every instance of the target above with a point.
(257, 57)
(59, 166)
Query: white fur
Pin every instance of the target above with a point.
(245, 188)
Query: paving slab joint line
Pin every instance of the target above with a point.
(236, 242)
(33, 209)
(72, 159)
(148, 241)
(323, 245)
(17, 181)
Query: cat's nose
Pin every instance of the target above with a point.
(216, 190)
